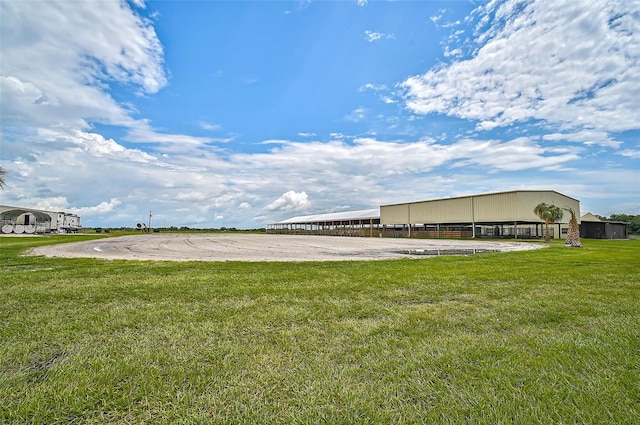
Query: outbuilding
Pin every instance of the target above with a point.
(594, 228)
(20, 220)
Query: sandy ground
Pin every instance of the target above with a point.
(252, 247)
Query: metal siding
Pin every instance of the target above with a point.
(455, 210)
(394, 214)
(495, 207)
(529, 200)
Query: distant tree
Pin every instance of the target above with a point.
(3, 173)
(550, 214)
(573, 235)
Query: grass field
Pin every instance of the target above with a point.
(544, 336)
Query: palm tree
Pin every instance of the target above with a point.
(550, 214)
(3, 172)
(573, 235)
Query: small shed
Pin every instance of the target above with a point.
(594, 228)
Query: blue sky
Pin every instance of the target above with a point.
(243, 113)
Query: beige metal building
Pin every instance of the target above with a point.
(492, 215)
(504, 214)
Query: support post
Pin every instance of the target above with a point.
(473, 219)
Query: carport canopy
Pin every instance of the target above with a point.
(12, 215)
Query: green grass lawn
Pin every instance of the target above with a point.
(544, 336)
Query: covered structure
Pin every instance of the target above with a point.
(492, 215)
(349, 223)
(28, 220)
(594, 228)
(496, 215)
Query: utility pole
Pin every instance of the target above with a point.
(149, 221)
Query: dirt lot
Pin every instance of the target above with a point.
(251, 247)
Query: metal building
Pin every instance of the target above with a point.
(20, 220)
(349, 223)
(495, 215)
(503, 214)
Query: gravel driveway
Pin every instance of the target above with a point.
(253, 247)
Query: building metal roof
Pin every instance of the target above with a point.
(590, 217)
(15, 213)
(370, 214)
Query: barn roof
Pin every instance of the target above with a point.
(589, 217)
(370, 214)
(17, 212)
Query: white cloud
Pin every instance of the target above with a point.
(102, 208)
(373, 87)
(290, 201)
(357, 114)
(372, 36)
(436, 19)
(62, 204)
(575, 65)
(631, 153)
(185, 188)
(87, 44)
(208, 126)
(141, 131)
(588, 137)
(362, 2)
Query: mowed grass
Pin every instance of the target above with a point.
(545, 336)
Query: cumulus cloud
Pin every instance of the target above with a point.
(60, 58)
(102, 208)
(290, 201)
(87, 44)
(536, 62)
(61, 203)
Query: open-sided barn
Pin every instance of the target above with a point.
(348, 223)
(495, 215)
